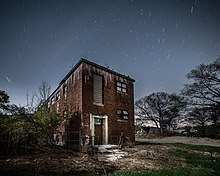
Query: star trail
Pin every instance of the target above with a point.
(156, 42)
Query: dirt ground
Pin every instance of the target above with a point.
(64, 163)
(147, 156)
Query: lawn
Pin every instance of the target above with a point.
(204, 161)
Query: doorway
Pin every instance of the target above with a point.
(99, 129)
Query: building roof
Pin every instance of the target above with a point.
(94, 65)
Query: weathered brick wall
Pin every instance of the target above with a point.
(112, 101)
(79, 104)
(73, 106)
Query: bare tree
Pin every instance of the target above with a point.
(43, 92)
(205, 87)
(200, 116)
(161, 108)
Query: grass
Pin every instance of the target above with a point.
(167, 172)
(199, 160)
(201, 148)
(204, 164)
(196, 159)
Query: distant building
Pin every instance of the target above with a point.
(97, 104)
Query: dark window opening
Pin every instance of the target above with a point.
(58, 96)
(122, 114)
(65, 91)
(65, 113)
(52, 100)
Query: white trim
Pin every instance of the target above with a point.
(105, 128)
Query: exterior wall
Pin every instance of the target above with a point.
(72, 104)
(113, 100)
(79, 106)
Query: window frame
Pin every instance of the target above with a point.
(58, 107)
(65, 113)
(121, 114)
(102, 91)
(65, 91)
(57, 96)
(52, 100)
(49, 104)
(121, 87)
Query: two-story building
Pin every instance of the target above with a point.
(97, 104)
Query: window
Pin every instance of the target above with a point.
(97, 89)
(65, 113)
(52, 100)
(65, 91)
(48, 104)
(98, 121)
(121, 87)
(58, 106)
(58, 96)
(122, 114)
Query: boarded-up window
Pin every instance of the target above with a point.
(98, 89)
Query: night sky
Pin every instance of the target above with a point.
(156, 42)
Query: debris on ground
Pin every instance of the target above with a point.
(108, 153)
(104, 160)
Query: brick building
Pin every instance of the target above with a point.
(97, 104)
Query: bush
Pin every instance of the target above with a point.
(212, 131)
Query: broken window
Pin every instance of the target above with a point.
(58, 96)
(122, 114)
(65, 91)
(98, 121)
(97, 89)
(48, 104)
(65, 113)
(52, 100)
(121, 87)
(58, 106)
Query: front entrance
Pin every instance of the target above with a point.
(99, 129)
(98, 124)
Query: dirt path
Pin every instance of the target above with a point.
(181, 139)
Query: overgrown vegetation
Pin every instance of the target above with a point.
(25, 127)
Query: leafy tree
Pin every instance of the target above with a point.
(161, 108)
(26, 126)
(205, 87)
